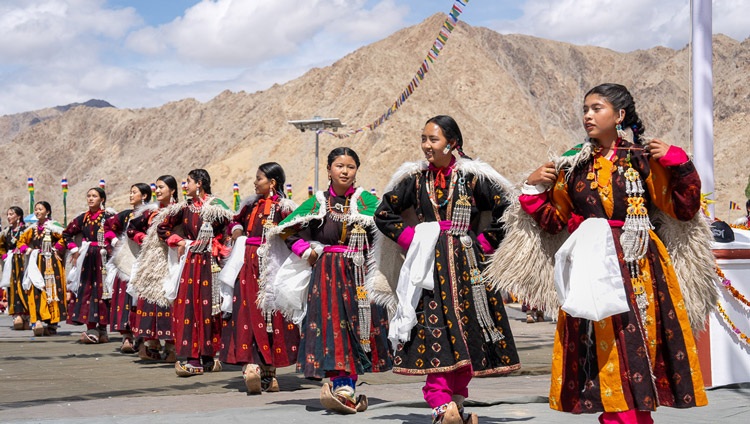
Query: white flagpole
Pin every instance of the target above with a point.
(703, 125)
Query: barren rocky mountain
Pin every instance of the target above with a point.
(515, 97)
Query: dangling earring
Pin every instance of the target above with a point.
(447, 149)
(198, 192)
(620, 132)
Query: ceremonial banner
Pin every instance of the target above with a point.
(432, 55)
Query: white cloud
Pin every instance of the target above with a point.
(623, 26)
(242, 33)
(37, 31)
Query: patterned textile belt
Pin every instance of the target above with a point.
(253, 241)
(335, 249)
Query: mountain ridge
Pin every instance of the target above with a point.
(516, 98)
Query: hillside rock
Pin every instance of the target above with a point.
(516, 98)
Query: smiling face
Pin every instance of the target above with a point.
(263, 186)
(600, 118)
(40, 212)
(12, 218)
(163, 193)
(343, 172)
(93, 200)
(434, 144)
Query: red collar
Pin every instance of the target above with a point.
(442, 173)
(348, 193)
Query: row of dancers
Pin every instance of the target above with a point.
(347, 283)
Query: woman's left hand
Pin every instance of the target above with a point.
(656, 148)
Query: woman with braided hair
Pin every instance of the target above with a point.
(13, 269)
(196, 315)
(90, 299)
(45, 272)
(447, 327)
(639, 353)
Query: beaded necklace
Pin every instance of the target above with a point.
(432, 194)
(14, 234)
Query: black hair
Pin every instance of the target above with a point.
(342, 151)
(274, 171)
(145, 190)
(747, 204)
(201, 176)
(620, 98)
(171, 183)
(102, 194)
(19, 212)
(46, 206)
(451, 131)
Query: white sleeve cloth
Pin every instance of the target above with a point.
(176, 264)
(33, 276)
(229, 273)
(416, 274)
(73, 273)
(5, 282)
(588, 278)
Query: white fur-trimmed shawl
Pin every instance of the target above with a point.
(378, 289)
(391, 256)
(152, 263)
(524, 263)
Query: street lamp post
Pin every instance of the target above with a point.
(317, 124)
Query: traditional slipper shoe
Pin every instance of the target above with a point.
(18, 323)
(337, 402)
(103, 335)
(38, 329)
(186, 370)
(361, 403)
(454, 416)
(90, 337)
(148, 353)
(127, 346)
(216, 367)
(170, 355)
(251, 375)
(272, 386)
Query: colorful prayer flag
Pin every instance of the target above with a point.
(30, 183)
(64, 185)
(236, 196)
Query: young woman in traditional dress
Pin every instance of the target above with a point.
(196, 320)
(344, 332)
(153, 322)
(624, 344)
(258, 341)
(122, 315)
(449, 327)
(13, 269)
(90, 298)
(45, 271)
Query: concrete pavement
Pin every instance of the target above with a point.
(55, 379)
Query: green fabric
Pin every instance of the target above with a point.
(308, 207)
(218, 202)
(573, 151)
(367, 204)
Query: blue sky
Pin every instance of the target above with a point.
(144, 53)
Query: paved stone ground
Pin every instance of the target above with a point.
(56, 379)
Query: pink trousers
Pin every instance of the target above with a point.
(628, 417)
(440, 387)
